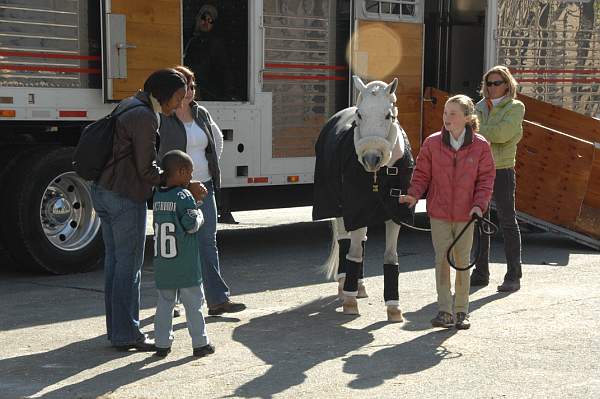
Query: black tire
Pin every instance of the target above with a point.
(40, 230)
(10, 154)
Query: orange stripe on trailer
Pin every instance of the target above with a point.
(563, 80)
(556, 71)
(293, 179)
(272, 76)
(72, 114)
(258, 180)
(306, 66)
(7, 113)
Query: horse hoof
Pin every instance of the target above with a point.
(394, 314)
(350, 306)
(362, 291)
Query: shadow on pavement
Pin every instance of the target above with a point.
(252, 260)
(48, 368)
(409, 357)
(295, 341)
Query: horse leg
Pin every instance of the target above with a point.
(391, 272)
(353, 262)
(343, 241)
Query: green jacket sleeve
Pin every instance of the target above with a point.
(505, 127)
(189, 216)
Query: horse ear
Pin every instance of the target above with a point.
(358, 83)
(392, 86)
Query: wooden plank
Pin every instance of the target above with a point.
(553, 170)
(151, 12)
(588, 221)
(433, 110)
(561, 119)
(385, 50)
(592, 197)
(154, 27)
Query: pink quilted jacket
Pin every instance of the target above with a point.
(455, 181)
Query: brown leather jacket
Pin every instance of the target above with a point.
(136, 171)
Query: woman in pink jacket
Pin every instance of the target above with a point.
(456, 169)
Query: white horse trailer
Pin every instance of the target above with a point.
(64, 63)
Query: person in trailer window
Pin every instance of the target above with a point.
(206, 54)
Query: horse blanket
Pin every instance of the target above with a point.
(343, 188)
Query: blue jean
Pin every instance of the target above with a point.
(215, 288)
(192, 298)
(124, 234)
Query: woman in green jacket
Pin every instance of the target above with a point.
(501, 116)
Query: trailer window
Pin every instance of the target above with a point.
(215, 38)
(50, 44)
(405, 10)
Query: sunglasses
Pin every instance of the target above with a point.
(207, 18)
(494, 83)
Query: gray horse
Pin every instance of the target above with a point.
(363, 164)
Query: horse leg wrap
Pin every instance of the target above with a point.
(390, 284)
(351, 283)
(344, 247)
(362, 291)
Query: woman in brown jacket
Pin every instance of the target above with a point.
(119, 198)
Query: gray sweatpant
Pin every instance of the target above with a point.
(192, 299)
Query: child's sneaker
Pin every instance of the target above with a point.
(443, 319)
(204, 350)
(162, 352)
(462, 321)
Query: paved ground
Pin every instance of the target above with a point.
(541, 342)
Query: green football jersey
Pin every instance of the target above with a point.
(176, 256)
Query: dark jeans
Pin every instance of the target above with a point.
(124, 234)
(504, 199)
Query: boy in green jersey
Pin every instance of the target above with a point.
(176, 256)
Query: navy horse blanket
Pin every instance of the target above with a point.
(343, 188)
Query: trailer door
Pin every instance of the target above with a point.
(139, 37)
(387, 42)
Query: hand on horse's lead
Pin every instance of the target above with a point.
(476, 211)
(407, 199)
(198, 190)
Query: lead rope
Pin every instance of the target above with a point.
(484, 227)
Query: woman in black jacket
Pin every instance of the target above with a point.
(191, 129)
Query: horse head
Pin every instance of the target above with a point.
(377, 130)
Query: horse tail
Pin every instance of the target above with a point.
(330, 267)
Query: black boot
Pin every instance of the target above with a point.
(352, 271)
(390, 282)
(344, 247)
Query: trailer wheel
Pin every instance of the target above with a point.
(51, 223)
(10, 155)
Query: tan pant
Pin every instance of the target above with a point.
(442, 235)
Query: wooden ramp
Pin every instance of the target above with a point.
(558, 167)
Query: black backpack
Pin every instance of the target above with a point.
(96, 146)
